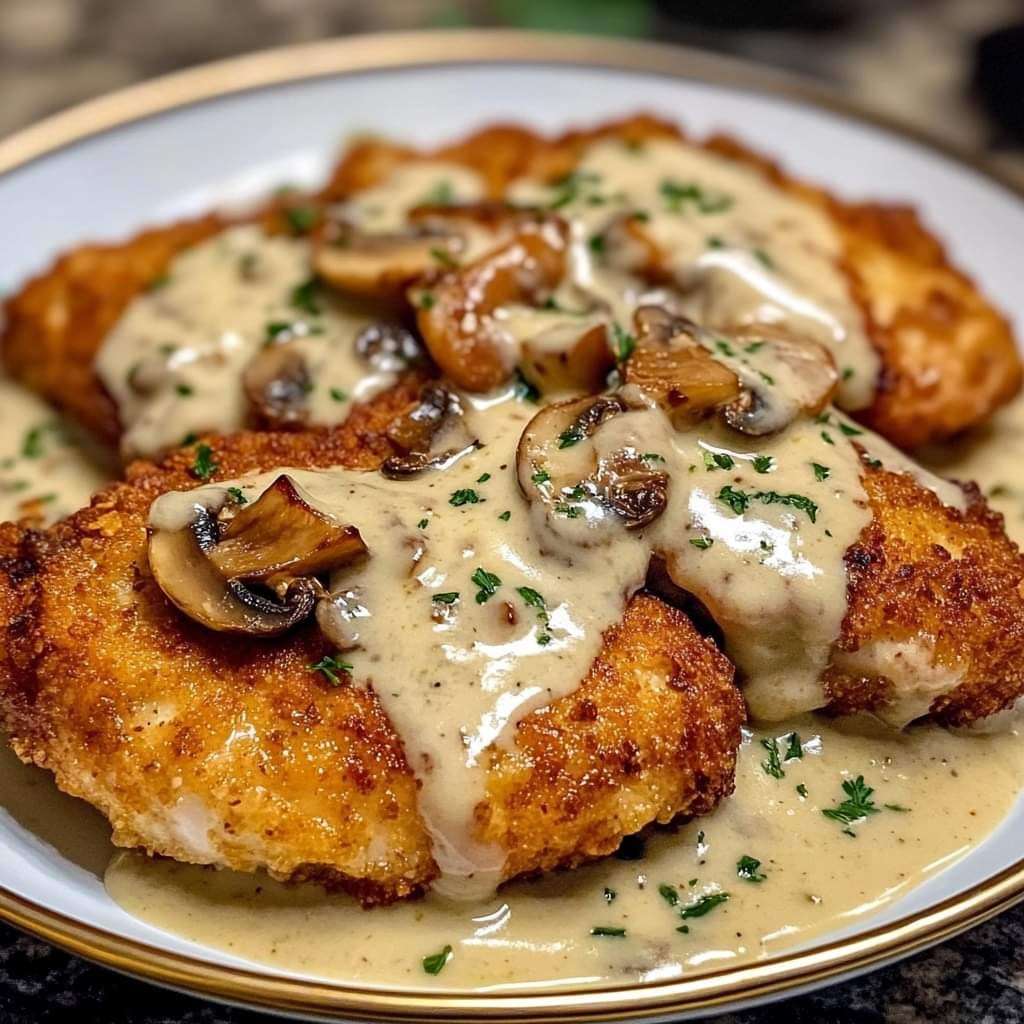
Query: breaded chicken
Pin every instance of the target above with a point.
(936, 608)
(203, 748)
(948, 356)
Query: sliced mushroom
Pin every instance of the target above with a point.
(277, 383)
(583, 495)
(684, 380)
(389, 347)
(402, 467)
(190, 581)
(281, 534)
(381, 266)
(455, 314)
(786, 377)
(574, 355)
(280, 541)
(415, 429)
(628, 486)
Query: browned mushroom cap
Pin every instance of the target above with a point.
(674, 369)
(801, 379)
(277, 384)
(574, 356)
(455, 314)
(280, 540)
(437, 416)
(381, 266)
(282, 534)
(558, 466)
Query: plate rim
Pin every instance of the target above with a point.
(759, 980)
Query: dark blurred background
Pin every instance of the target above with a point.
(955, 67)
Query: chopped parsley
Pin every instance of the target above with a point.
(304, 296)
(802, 790)
(795, 750)
(330, 666)
(449, 597)
(749, 869)
(820, 472)
(596, 243)
(703, 543)
(704, 905)
(275, 328)
(827, 437)
(236, 495)
(427, 300)
(506, 515)
(542, 476)
(444, 257)
(764, 259)
(488, 584)
(857, 805)
(483, 478)
(338, 394)
(849, 430)
(773, 766)
(739, 501)
(203, 466)
(569, 186)
(569, 511)
(624, 343)
(532, 598)
(570, 436)
(652, 457)
(435, 963)
(524, 390)
(32, 443)
(442, 194)
(763, 463)
(302, 219)
(718, 460)
(677, 194)
(669, 894)
(184, 390)
(464, 496)
(158, 282)
(422, 524)
(899, 808)
(607, 932)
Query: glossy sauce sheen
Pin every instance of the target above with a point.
(501, 602)
(537, 934)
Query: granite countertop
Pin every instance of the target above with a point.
(908, 57)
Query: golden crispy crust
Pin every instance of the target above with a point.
(948, 357)
(932, 576)
(205, 749)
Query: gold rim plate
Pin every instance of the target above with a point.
(750, 983)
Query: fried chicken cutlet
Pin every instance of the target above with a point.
(210, 750)
(947, 357)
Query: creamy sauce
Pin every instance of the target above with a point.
(736, 250)
(175, 361)
(501, 602)
(536, 934)
(48, 469)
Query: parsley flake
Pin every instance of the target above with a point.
(435, 963)
(704, 905)
(857, 805)
(203, 466)
(330, 666)
(749, 869)
(488, 584)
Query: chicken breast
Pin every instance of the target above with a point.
(947, 356)
(210, 750)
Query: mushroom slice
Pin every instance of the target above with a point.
(674, 369)
(281, 535)
(557, 465)
(414, 430)
(277, 384)
(380, 266)
(179, 563)
(569, 356)
(456, 313)
(784, 377)
(389, 347)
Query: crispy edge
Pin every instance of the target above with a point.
(922, 569)
(652, 732)
(571, 764)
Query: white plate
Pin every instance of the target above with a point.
(233, 130)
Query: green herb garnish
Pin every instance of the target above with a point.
(203, 466)
(749, 869)
(464, 496)
(857, 805)
(330, 666)
(435, 963)
(608, 933)
(704, 905)
(450, 597)
(773, 766)
(488, 584)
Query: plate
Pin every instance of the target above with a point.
(233, 130)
